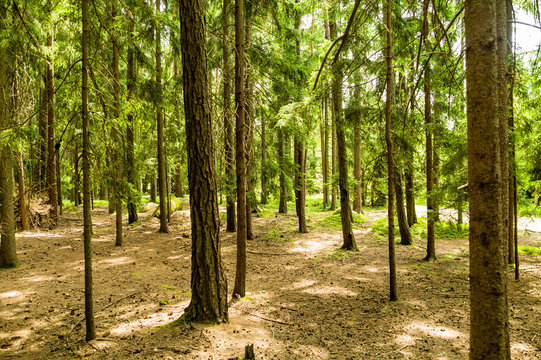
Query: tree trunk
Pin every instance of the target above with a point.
(325, 153)
(390, 161)
(299, 185)
(282, 208)
(23, 205)
(209, 287)
(345, 208)
(229, 151)
(488, 271)
(240, 275)
(51, 163)
(410, 197)
(405, 234)
(334, 161)
(58, 177)
(87, 220)
(130, 146)
(357, 201)
(159, 128)
(511, 127)
(8, 251)
(116, 114)
(249, 126)
(430, 242)
(153, 187)
(264, 179)
(43, 138)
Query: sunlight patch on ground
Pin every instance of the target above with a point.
(302, 284)
(116, 261)
(163, 317)
(11, 294)
(371, 269)
(520, 347)
(37, 278)
(330, 290)
(16, 338)
(434, 331)
(405, 340)
(37, 235)
(175, 257)
(416, 304)
(357, 278)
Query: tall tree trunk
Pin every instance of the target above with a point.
(43, 137)
(334, 161)
(410, 197)
(325, 153)
(8, 251)
(130, 146)
(357, 201)
(240, 275)
(58, 177)
(282, 207)
(488, 270)
(23, 205)
(511, 127)
(153, 186)
(87, 220)
(209, 287)
(164, 228)
(228, 121)
(116, 114)
(264, 180)
(51, 163)
(430, 242)
(249, 126)
(390, 161)
(345, 208)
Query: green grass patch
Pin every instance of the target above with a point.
(167, 287)
(164, 302)
(70, 208)
(266, 214)
(529, 250)
(101, 202)
(275, 234)
(335, 221)
(442, 229)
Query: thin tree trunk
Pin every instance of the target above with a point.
(334, 161)
(410, 197)
(23, 206)
(51, 164)
(130, 146)
(325, 153)
(264, 180)
(87, 220)
(229, 151)
(345, 208)
(282, 208)
(239, 289)
(357, 202)
(116, 114)
(249, 126)
(430, 243)
(58, 177)
(511, 127)
(43, 137)
(153, 186)
(405, 234)
(390, 161)
(209, 286)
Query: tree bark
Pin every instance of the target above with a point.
(116, 114)
(390, 161)
(325, 153)
(239, 289)
(164, 228)
(511, 127)
(209, 287)
(405, 234)
(130, 146)
(87, 220)
(264, 179)
(334, 160)
(430, 242)
(51, 163)
(23, 205)
(228, 121)
(345, 208)
(282, 207)
(488, 271)
(357, 202)
(249, 126)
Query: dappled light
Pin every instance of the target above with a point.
(433, 330)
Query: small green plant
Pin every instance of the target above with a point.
(164, 302)
(274, 235)
(529, 250)
(381, 226)
(266, 214)
(167, 287)
(335, 221)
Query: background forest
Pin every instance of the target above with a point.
(308, 128)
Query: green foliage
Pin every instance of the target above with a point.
(530, 250)
(164, 302)
(335, 221)
(275, 234)
(266, 214)
(442, 229)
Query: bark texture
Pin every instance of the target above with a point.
(488, 279)
(209, 288)
(51, 158)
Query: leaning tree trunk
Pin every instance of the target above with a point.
(87, 220)
(229, 152)
(488, 270)
(405, 234)
(345, 208)
(240, 275)
(162, 181)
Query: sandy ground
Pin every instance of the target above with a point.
(306, 298)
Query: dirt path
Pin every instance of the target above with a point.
(306, 298)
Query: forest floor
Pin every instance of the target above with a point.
(306, 298)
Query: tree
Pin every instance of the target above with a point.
(130, 152)
(8, 253)
(240, 276)
(488, 273)
(116, 114)
(162, 175)
(209, 287)
(228, 121)
(51, 149)
(390, 162)
(87, 219)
